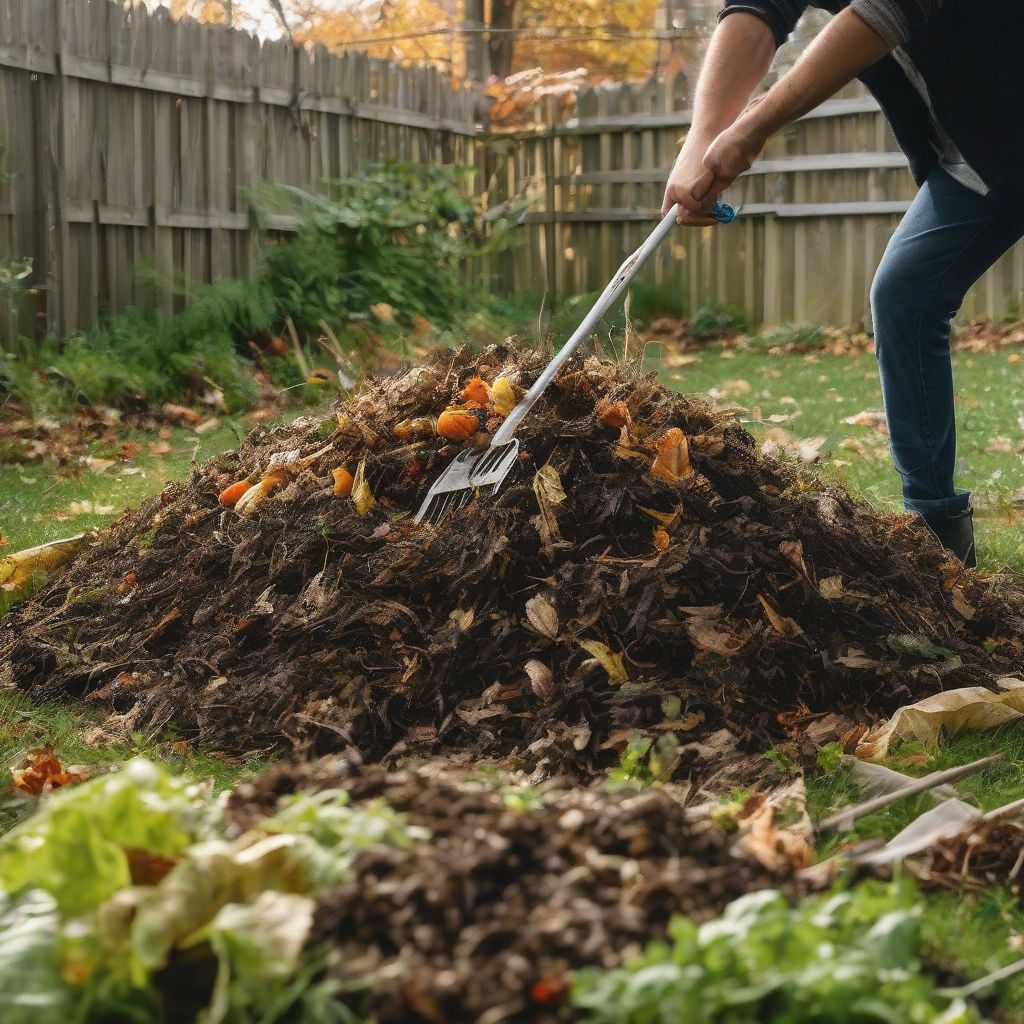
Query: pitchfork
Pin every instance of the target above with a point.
(482, 470)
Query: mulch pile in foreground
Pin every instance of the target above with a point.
(658, 579)
(487, 920)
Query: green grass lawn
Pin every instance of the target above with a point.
(39, 504)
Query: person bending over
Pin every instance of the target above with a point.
(948, 76)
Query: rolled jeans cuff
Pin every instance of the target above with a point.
(959, 504)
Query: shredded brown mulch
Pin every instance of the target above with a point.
(987, 853)
(486, 920)
(724, 607)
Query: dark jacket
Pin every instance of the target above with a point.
(971, 56)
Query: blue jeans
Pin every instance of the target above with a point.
(948, 239)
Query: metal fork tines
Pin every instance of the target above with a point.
(494, 464)
(441, 504)
(470, 473)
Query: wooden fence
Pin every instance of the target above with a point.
(816, 211)
(129, 138)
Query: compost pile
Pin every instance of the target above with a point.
(488, 919)
(645, 573)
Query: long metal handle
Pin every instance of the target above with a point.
(615, 288)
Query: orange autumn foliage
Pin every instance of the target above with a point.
(672, 462)
(612, 414)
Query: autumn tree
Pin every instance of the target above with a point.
(484, 38)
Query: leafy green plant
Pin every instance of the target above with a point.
(782, 761)
(632, 767)
(851, 958)
(801, 336)
(398, 234)
(716, 321)
(830, 757)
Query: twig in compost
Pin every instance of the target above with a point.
(974, 987)
(845, 818)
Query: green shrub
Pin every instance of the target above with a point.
(715, 321)
(398, 234)
(802, 336)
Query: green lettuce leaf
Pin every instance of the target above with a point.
(75, 846)
(31, 988)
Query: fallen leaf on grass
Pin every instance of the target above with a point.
(778, 441)
(869, 418)
(18, 569)
(950, 712)
(97, 466)
(181, 414)
(84, 508)
(207, 425)
(42, 772)
(1001, 445)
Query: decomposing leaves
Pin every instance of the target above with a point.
(710, 604)
(542, 617)
(610, 661)
(362, 495)
(672, 463)
(42, 771)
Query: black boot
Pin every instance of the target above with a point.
(955, 533)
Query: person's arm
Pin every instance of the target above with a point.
(737, 60)
(841, 51)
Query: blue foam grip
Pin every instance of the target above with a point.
(724, 213)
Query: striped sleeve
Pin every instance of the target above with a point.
(781, 15)
(895, 20)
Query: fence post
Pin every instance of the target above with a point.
(58, 277)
